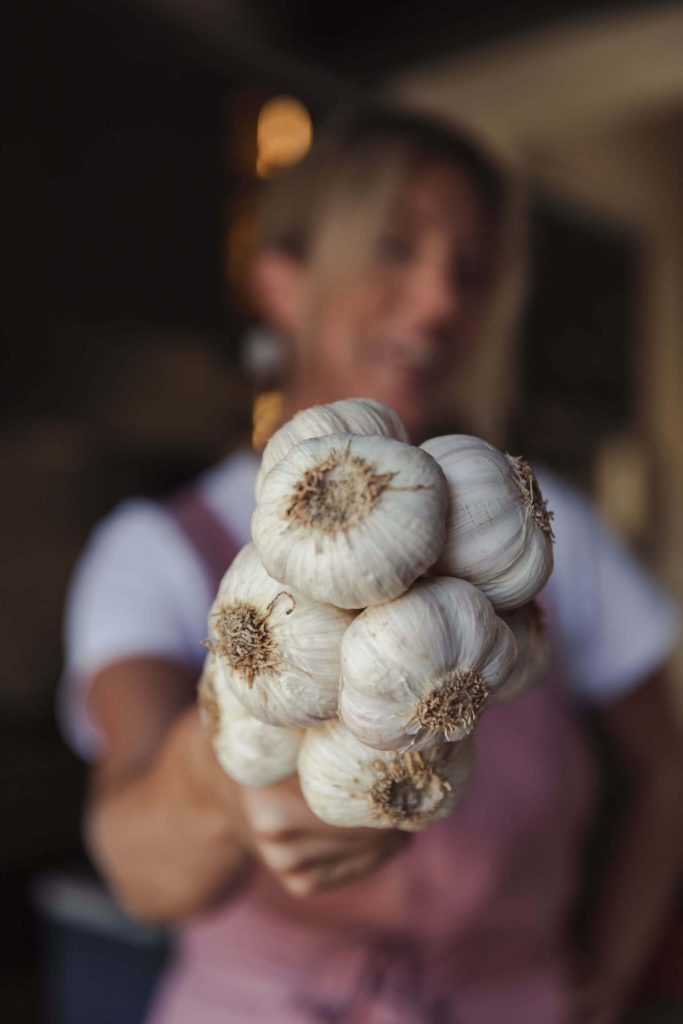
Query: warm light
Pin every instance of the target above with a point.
(622, 477)
(265, 417)
(283, 134)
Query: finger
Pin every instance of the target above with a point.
(304, 851)
(281, 809)
(280, 813)
(301, 855)
(323, 877)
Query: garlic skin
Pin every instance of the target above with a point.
(499, 535)
(276, 650)
(350, 416)
(351, 520)
(420, 669)
(250, 752)
(533, 654)
(350, 785)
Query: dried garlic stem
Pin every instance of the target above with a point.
(534, 502)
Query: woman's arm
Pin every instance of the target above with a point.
(644, 875)
(168, 828)
(162, 818)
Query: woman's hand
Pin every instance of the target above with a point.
(168, 828)
(306, 855)
(163, 820)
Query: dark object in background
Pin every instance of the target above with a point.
(578, 354)
(98, 966)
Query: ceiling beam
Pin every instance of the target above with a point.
(558, 79)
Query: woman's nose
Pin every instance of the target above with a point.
(436, 295)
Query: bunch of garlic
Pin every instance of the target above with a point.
(275, 650)
(324, 623)
(351, 416)
(351, 520)
(420, 669)
(533, 654)
(251, 752)
(499, 535)
(348, 784)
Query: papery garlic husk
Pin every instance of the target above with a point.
(249, 751)
(276, 650)
(351, 520)
(499, 535)
(350, 416)
(533, 654)
(350, 785)
(420, 669)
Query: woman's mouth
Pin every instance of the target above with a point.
(407, 357)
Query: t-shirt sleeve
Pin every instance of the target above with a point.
(137, 590)
(615, 624)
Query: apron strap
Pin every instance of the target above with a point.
(211, 541)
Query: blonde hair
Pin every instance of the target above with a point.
(330, 209)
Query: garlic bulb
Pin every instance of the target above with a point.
(250, 752)
(499, 535)
(351, 520)
(350, 416)
(420, 669)
(533, 654)
(346, 783)
(277, 651)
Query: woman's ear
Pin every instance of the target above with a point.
(276, 287)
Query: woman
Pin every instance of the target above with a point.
(377, 265)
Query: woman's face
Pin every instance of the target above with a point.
(398, 333)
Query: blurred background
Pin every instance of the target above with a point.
(134, 138)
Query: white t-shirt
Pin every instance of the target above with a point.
(140, 589)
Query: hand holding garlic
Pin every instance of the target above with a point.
(349, 517)
(306, 854)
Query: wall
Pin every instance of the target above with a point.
(592, 112)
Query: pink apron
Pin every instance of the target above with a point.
(464, 927)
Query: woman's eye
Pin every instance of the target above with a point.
(395, 249)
